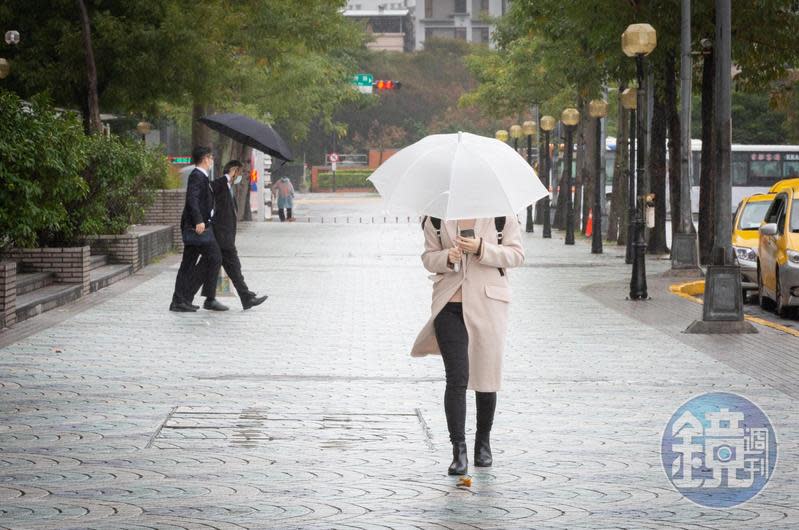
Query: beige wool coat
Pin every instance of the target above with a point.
(486, 295)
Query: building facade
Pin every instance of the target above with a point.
(467, 20)
(389, 23)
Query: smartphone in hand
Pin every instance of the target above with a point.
(467, 232)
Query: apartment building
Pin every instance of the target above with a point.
(390, 23)
(456, 19)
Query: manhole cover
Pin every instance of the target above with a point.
(202, 427)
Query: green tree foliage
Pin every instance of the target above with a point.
(286, 60)
(433, 80)
(42, 154)
(58, 184)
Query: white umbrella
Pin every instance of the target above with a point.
(458, 176)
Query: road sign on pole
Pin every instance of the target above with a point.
(333, 157)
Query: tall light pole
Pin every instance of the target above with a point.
(547, 125)
(629, 100)
(144, 128)
(529, 130)
(638, 41)
(597, 109)
(722, 311)
(570, 117)
(12, 39)
(684, 250)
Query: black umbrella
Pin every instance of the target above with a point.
(249, 132)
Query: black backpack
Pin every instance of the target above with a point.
(499, 224)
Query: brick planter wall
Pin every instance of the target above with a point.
(8, 293)
(120, 248)
(139, 246)
(167, 210)
(69, 264)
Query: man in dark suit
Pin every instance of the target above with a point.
(198, 240)
(225, 214)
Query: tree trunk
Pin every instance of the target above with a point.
(675, 149)
(657, 169)
(91, 119)
(200, 134)
(617, 217)
(707, 177)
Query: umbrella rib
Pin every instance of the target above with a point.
(452, 175)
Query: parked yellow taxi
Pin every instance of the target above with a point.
(778, 253)
(784, 184)
(745, 237)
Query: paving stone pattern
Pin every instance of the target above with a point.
(308, 412)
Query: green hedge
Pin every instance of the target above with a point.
(58, 184)
(348, 178)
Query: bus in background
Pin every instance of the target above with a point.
(755, 168)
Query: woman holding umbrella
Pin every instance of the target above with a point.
(469, 320)
(477, 185)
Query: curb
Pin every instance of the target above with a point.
(690, 290)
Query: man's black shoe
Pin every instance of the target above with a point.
(253, 301)
(213, 305)
(196, 307)
(182, 307)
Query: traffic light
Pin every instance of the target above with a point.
(387, 84)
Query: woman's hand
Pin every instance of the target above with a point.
(454, 255)
(469, 245)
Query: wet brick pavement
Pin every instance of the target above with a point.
(308, 412)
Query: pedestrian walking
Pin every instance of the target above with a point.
(225, 223)
(285, 198)
(198, 240)
(469, 320)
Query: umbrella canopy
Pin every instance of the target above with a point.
(458, 176)
(249, 132)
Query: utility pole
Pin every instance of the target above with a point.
(684, 248)
(722, 311)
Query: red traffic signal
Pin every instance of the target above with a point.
(387, 84)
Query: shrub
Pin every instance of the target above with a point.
(42, 153)
(348, 178)
(57, 184)
(121, 176)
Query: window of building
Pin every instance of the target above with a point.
(439, 33)
(460, 6)
(484, 6)
(480, 35)
(428, 8)
(460, 33)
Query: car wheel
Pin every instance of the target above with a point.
(763, 300)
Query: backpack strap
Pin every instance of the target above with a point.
(499, 224)
(436, 224)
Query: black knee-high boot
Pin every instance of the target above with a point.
(486, 405)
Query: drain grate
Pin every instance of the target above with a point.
(252, 427)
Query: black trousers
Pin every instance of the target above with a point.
(453, 339)
(193, 274)
(232, 266)
(282, 214)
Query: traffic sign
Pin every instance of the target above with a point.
(363, 79)
(333, 157)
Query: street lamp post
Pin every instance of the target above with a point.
(547, 125)
(12, 39)
(629, 100)
(528, 128)
(143, 128)
(597, 109)
(570, 118)
(638, 41)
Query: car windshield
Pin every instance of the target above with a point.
(753, 215)
(795, 216)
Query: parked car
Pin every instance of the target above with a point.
(784, 184)
(745, 236)
(778, 253)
